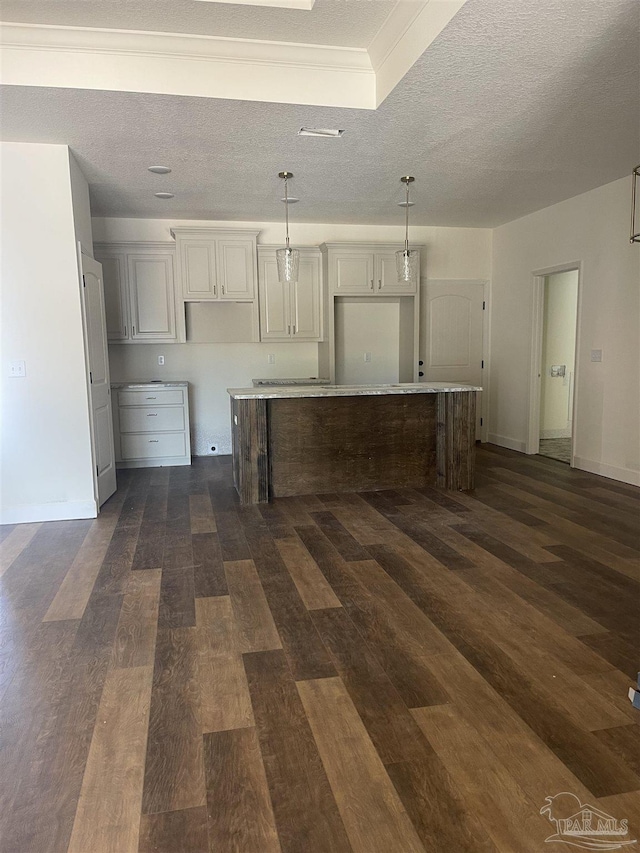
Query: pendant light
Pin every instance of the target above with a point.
(288, 259)
(406, 259)
(634, 237)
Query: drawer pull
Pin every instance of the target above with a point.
(150, 398)
(153, 441)
(152, 414)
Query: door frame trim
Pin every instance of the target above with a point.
(535, 374)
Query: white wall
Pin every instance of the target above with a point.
(46, 461)
(212, 368)
(591, 229)
(367, 327)
(558, 347)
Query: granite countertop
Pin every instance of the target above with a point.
(310, 380)
(150, 383)
(280, 392)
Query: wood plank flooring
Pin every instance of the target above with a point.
(403, 671)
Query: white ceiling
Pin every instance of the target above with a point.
(514, 106)
(346, 23)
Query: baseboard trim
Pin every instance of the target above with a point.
(67, 511)
(623, 475)
(509, 443)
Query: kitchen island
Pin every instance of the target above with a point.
(300, 440)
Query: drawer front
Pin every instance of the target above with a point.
(153, 445)
(151, 419)
(152, 397)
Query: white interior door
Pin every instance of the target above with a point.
(95, 329)
(451, 338)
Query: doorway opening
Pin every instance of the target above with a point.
(552, 422)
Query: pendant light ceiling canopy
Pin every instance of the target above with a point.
(288, 259)
(407, 259)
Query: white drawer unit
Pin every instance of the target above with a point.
(151, 424)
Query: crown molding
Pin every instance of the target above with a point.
(178, 64)
(217, 67)
(403, 38)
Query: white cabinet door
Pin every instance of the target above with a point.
(236, 273)
(198, 269)
(387, 276)
(95, 333)
(275, 321)
(353, 272)
(305, 302)
(151, 297)
(114, 271)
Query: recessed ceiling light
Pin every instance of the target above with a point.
(164, 195)
(159, 170)
(325, 132)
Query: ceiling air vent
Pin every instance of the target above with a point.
(324, 132)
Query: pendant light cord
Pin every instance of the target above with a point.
(286, 209)
(406, 222)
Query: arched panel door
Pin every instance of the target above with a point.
(451, 340)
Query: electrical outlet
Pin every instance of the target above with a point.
(17, 369)
(161, 360)
(596, 355)
(367, 357)
(271, 359)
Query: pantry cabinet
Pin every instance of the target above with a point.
(139, 291)
(216, 264)
(290, 311)
(357, 269)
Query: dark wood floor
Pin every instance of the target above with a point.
(390, 671)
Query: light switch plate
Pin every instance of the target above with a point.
(367, 357)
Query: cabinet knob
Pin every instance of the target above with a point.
(372, 288)
(421, 373)
(420, 363)
(379, 284)
(153, 441)
(150, 398)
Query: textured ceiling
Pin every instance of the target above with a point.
(514, 107)
(345, 23)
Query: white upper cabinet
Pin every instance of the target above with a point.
(138, 291)
(357, 269)
(290, 311)
(353, 272)
(216, 264)
(198, 269)
(114, 277)
(151, 297)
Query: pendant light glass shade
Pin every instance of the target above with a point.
(407, 265)
(406, 259)
(288, 259)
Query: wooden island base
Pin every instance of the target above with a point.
(313, 445)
